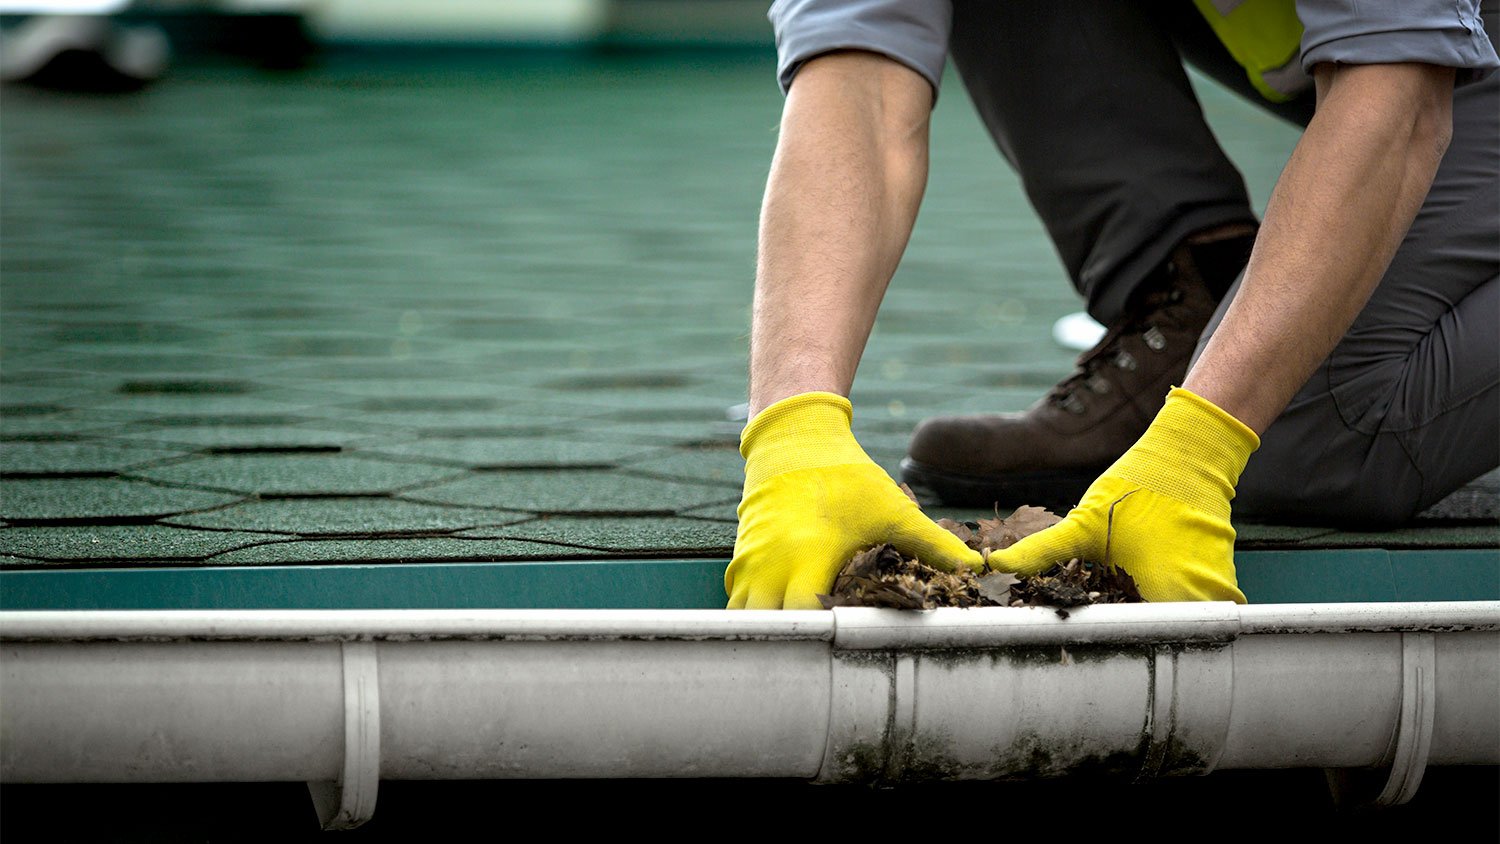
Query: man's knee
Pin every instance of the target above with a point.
(1292, 497)
(1336, 477)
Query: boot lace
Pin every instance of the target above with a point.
(1156, 306)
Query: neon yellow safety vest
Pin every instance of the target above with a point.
(1265, 37)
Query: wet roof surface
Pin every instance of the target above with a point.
(483, 312)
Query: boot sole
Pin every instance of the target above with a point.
(1056, 489)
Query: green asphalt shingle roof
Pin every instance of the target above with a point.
(496, 311)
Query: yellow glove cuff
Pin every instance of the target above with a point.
(1194, 452)
(805, 431)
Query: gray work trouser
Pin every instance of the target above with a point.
(1407, 407)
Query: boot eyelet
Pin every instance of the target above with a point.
(1155, 340)
(1125, 361)
(1099, 384)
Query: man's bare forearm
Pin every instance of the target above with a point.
(845, 185)
(1340, 209)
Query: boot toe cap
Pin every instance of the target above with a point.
(970, 444)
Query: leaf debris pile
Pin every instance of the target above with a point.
(882, 577)
(1075, 584)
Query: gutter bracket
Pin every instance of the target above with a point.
(1414, 732)
(1413, 738)
(350, 801)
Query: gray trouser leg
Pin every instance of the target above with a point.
(1407, 407)
(1090, 103)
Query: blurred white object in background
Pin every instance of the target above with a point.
(82, 51)
(1077, 331)
(556, 21)
(62, 7)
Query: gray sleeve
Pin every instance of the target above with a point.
(913, 32)
(1441, 32)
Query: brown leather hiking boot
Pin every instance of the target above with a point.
(1050, 453)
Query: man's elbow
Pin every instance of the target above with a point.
(1433, 129)
(1431, 103)
(1420, 96)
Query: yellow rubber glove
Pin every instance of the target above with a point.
(813, 499)
(1161, 512)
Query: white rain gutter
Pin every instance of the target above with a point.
(341, 699)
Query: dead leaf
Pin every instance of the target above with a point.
(988, 535)
(909, 494)
(958, 529)
(996, 586)
(1027, 520)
